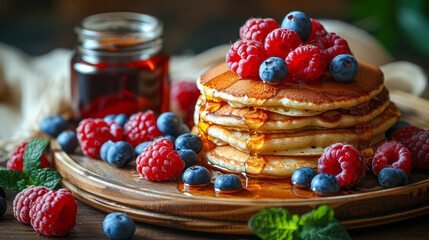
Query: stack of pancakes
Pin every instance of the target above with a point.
(269, 130)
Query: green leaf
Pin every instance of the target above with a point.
(14, 180)
(274, 223)
(47, 177)
(332, 231)
(319, 217)
(321, 224)
(33, 152)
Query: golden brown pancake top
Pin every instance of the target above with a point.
(318, 92)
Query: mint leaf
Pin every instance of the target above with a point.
(321, 224)
(33, 153)
(332, 231)
(14, 180)
(47, 177)
(274, 223)
(319, 217)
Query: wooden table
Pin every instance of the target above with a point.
(89, 226)
(89, 219)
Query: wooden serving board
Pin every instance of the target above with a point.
(112, 189)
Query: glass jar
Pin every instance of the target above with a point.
(119, 66)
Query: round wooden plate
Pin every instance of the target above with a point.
(112, 189)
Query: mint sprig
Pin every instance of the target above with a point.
(278, 223)
(33, 153)
(33, 174)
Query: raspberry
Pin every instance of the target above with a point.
(245, 57)
(343, 161)
(93, 132)
(25, 200)
(306, 62)
(332, 46)
(404, 133)
(159, 161)
(418, 144)
(257, 29)
(280, 42)
(185, 94)
(392, 155)
(317, 29)
(116, 130)
(141, 127)
(16, 161)
(54, 214)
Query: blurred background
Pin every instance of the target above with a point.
(192, 26)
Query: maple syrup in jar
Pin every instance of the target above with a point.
(119, 66)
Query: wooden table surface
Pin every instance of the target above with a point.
(89, 219)
(89, 226)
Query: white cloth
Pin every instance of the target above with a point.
(32, 88)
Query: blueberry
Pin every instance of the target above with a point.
(169, 137)
(227, 182)
(302, 177)
(344, 68)
(110, 117)
(397, 126)
(169, 123)
(390, 177)
(104, 149)
(183, 129)
(273, 70)
(196, 175)
(121, 119)
(189, 157)
(118, 226)
(2, 193)
(298, 22)
(139, 148)
(189, 141)
(120, 154)
(325, 184)
(3, 206)
(53, 125)
(68, 141)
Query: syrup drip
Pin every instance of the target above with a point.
(203, 124)
(253, 188)
(254, 119)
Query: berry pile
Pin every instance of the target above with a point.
(301, 47)
(166, 157)
(92, 133)
(50, 212)
(392, 162)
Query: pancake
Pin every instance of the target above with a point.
(264, 121)
(305, 142)
(231, 159)
(321, 95)
(269, 130)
